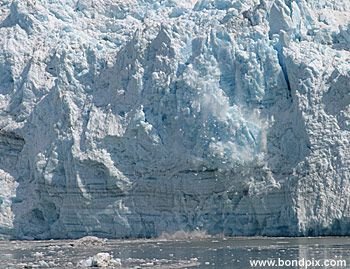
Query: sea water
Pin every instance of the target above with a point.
(209, 252)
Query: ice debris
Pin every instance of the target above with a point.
(102, 260)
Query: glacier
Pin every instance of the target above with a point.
(135, 118)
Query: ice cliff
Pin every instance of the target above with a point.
(136, 117)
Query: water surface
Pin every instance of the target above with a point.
(176, 253)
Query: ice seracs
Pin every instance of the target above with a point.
(136, 118)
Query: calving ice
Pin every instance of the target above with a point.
(134, 118)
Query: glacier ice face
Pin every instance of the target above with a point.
(133, 118)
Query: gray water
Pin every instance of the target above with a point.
(177, 253)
